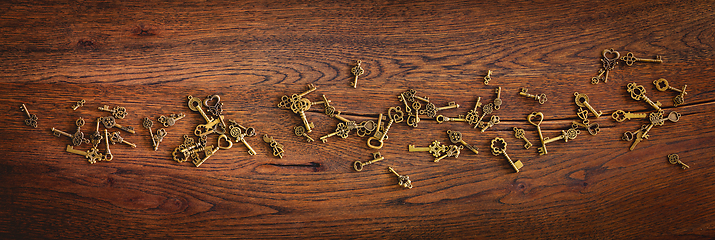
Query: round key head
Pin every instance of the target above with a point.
(661, 84)
(498, 146)
(673, 158)
(519, 133)
(108, 122)
(285, 102)
(454, 136)
(299, 130)
(78, 138)
(488, 109)
(79, 122)
(674, 116)
(571, 133)
(581, 99)
(194, 103)
(119, 112)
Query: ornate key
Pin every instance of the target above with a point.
(441, 119)
(96, 137)
(431, 110)
(299, 105)
(629, 136)
(582, 101)
(662, 85)
(530, 119)
(277, 147)
(393, 113)
(217, 108)
(208, 151)
(31, 118)
(110, 122)
(520, 134)
(171, 120)
(657, 119)
(497, 101)
(402, 180)
(640, 135)
(593, 128)
(77, 137)
(456, 137)
(242, 139)
(160, 133)
(436, 148)
(412, 118)
(638, 93)
(571, 133)
(376, 157)
(250, 131)
(195, 105)
(494, 120)
(620, 115)
(488, 77)
(93, 155)
(675, 159)
(630, 59)
(452, 151)
(341, 131)
(487, 109)
(496, 150)
(541, 97)
(300, 132)
(357, 71)
(596, 79)
(473, 116)
(206, 129)
(608, 63)
(108, 153)
(117, 138)
(78, 104)
(329, 110)
(117, 112)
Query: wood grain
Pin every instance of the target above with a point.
(149, 56)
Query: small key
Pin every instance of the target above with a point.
(96, 137)
(456, 137)
(412, 118)
(208, 151)
(341, 131)
(630, 59)
(496, 150)
(277, 147)
(494, 120)
(488, 77)
(620, 115)
(675, 159)
(242, 138)
(110, 122)
(329, 109)
(381, 135)
(376, 157)
(629, 136)
(117, 138)
(77, 137)
(206, 129)
(160, 133)
(436, 148)
(520, 134)
(117, 112)
(541, 97)
(195, 105)
(357, 71)
(452, 151)
(93, 155)
(638, 93)
(497, 101)
(658, 119)
(609, 63)
(582, 101)
(530, 119)
(431, 110)
(473, 115)
(402, 180)
(250, 131)
(300, 131)
(31, 118)
(441, 119)
(662, 85)
(571, 133)
(78, 104)
(593, 129)
(108, 153)
(171, 120)
(596, 79)
(487, 109)
(217, 108)
(641, 135)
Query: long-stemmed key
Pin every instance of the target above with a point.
(31, 118)
(567, 135)
(195, 105)
(662, 85)
(376, 157)
(456, 137)
(473, 116)
(431, 110)
(496, 150)
(108, 153)
(487, 109)
(452, 151)
(171, 120)
(638, 93)
(93, 155)
(530, 119)
(357, 71)
(441, 119)
(630, 59)
(77, 137)
(117, 112)
(494, 120)
(520, 134)
(117, 138)
(593, 128)
(110, 122)
(394, 114)
(620, 115)
(582, 101)
(640, 135)
(436, 148)
(402, 180)
(608, 63)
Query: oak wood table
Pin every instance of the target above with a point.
(149, 56)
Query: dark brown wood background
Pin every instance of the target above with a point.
(149, 56)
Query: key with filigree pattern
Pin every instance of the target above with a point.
(521, 134)
(93, 155)
(662, 85)
(171, 119)
(402, 180)
(629, 59)
(436, 148)
(31, 118)
(357, 71)
(675, 159)
(456, 137)
(497, 149)
(638, 93)
(117, 138)
(110, 122)
(117, 112)
(376, 157)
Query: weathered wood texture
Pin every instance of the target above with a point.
(148, 56)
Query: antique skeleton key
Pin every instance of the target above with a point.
(675, 159)
(93, 155)
(473, 116)
(436, 148)
(582, 101)
(206, 129)
(608, 63)
(376, 157)
(593, 128)
(110, 122)
(108, 153)
(530, 118)
(452, 151)
(640, 135)
(441, 119)
(277, 147)
(96, 137)
(250, 131)
(31, 118)
(171, 120)
(620, 115)
(160, 133)
(430, 109)
(341, 131)
(629, 59)
(497, 101)
(393, 113)
(217, 108)
(402, 180)
(117, 138)
(117, 112)
(520, 134)
(496, 150)
(357, 71)
(456, 137)
(662, 85)
(492, 121)
(195, 105)
(77, 137)
(488, 77)
(571, 133)
(487, 109)
(300, 132)
(638, 93)
(78, 104)
(541, 97)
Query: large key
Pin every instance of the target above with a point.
(376, 157)
(357, 71)
(31, 118)
(171, 120)
(609, 63)
(452, 151)
(195, 105)
(496, 150)
(329, 109)
(77, 137)
(110, 122)
(402, 180)
(630, 59)
(492, 121)
(629, 136)
(571, 133)
(117, 138)
(431, 110)
(242, 139)
(530, 119)
(662, 85)
(620, 115)
(582, 101)
(93, 155)
(436, 148)
(641, 135)
(117, 112)
(456, 137)
(638, 93)
(441, 119)
(520, 134)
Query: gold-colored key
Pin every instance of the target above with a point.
(456, 137)
(488, 77)
(541, 97)
(638, 93)
(402, 180)
(640, 135)
(521, 134)
(441, 119)
(108, 153)
(436, 148)
(452, 151)
(582, 101)
(117, 112)
(357, 71)
(571, 133)
(376, 157)
(675, 159)
(494, 120)
(662, 85)
(31, 118)
(496, 150)
(497, 101)
(78, 104)
(93, 155)
(620, 115)
(117, 138)
(629, 59)
(277, 147)
(300, 132)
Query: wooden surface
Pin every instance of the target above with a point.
(149, 56)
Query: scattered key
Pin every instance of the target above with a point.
(608, 63)
(195, 105)
(630, 59)
(78, 104)
(456, 137)
(160, 133)
(241, 137)
(341, 131)
(593, 128)
(596, 79)
(436, 148)
(496, 150)
(431, 110)
(541, 97)
(110, 122)
(494, 120)
(77, 137)
(582, 101)
(620, 115)
(206, 129)
(402, 180)
(488, 77)
(92, 154)
(250, 131)
(662, 85)
(520, 134)
(640, 135)
(638, 93)
(376, 157)
(487, 109)
(452, 151)
(171, 120)
(357, 71)
(497, 101)
(412, 117)
(571, 133)
(108, 153)
(277, 147)
(530, 118)
(117, 112)
(300, 132)
(217, 108)
(441, 119)
(96, 137)
(473, 116)
(31, 118)
(675, 159)
(299, 105)
(383, 134)
(117, 138)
